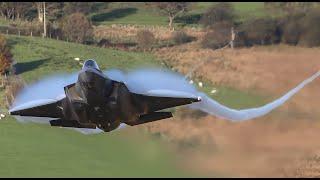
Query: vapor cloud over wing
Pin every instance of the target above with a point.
(157, 82)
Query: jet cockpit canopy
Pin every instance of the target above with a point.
(90, 63)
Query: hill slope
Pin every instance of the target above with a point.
(39, 150)
(35, 150)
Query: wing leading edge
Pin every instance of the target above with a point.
(39, 108)
(156, 103)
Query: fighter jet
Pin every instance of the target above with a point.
(96, 101)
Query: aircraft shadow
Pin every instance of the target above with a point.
(29, 66)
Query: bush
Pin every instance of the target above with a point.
(241, 39)
(310, 36)
(261, 31)
(5, 56)
(181, 37)
(218, 37)
(54, 30)
(292, 29)
(291, 33)
(104, 43)
(145, 39)
(77, 28)
(221, 12)
(14, 86)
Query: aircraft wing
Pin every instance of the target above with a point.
(155, 100)
(39, 108)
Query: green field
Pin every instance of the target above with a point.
(32, 150)
(35, 150)
(37, 57)
(128, 13)
(138, 14)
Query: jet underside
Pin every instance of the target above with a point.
(97, 101)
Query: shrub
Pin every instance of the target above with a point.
(77, 28)
(104, 43)
(220, 12)
(292, 29)
(241, 39)
(180, 37)
(145, 39)
(261, 31)
(310, 36)
(14, 86)
(54, 30)
(291, 33)
(5, 56)
(218, 37)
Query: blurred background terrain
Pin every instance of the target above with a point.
(243, 54)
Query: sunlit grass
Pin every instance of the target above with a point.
(36, 150)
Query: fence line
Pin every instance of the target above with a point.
(25, 32)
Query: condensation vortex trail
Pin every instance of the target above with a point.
(212, 107)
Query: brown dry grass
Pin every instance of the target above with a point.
(268, 147)
(277, 145)
(271, 70)
(130, 31)
(272, 146)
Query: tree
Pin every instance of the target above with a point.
(218, 36)
(76, 27)
(218, 13)
(262, 31)
(291, 7)
(54, 11)
(44, 20)
(310, 35)
(15, 10)
(7, 9)
(292, 28)
(21, 9)
(5, 56)
(171, 9)
(39, 7)
(77, 7)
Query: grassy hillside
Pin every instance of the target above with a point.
(137, 13)
(36, 150)
(128, 13)
(37, 57)
(33, 150)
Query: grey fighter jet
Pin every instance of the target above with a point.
(96, 101)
